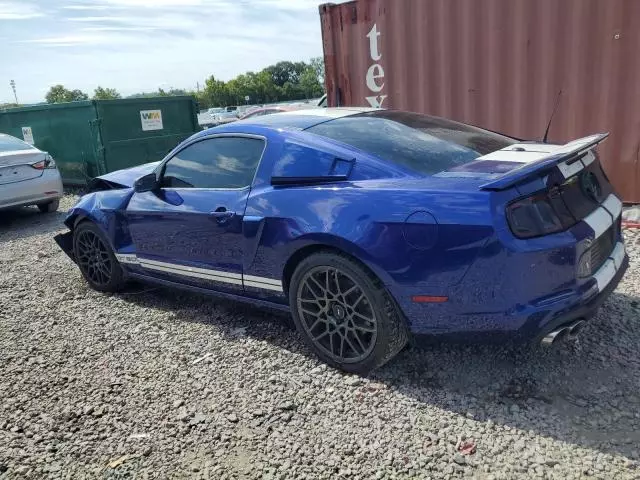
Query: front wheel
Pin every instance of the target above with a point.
(95, 259)
(344, 313)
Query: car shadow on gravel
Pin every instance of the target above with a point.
(24, 222)
(585, 393)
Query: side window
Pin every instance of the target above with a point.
(225, 162)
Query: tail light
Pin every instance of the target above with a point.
(540, 214)
(48, 162)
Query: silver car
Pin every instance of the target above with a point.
(28, 176)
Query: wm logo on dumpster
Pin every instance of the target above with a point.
(151, 115)
(151, 119)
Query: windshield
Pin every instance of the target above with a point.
(11, 144)
(420, 143)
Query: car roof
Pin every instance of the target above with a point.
(303, 119)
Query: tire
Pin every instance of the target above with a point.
(95, 258)
(353, 310)
(49, 207)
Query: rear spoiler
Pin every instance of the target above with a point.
(565, 157)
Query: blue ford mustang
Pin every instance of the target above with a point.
(370, 226)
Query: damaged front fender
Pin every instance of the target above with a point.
(106, 210)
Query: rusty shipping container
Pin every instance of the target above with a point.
(499, 64)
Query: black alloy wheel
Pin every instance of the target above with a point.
(95, 258)
(344, 313)
(336, 314)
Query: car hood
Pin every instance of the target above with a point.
(128, 176)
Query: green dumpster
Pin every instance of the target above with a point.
(91, 138)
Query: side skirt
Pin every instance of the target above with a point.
(213, 293)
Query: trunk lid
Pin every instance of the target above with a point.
(571, 174)
(15, 166)
(537, 159)
(522, 162)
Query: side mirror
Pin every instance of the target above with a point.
(148, 183)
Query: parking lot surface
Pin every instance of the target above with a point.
(154, 383)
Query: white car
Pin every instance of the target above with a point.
(28, 176)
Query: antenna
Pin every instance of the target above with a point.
(555, 108)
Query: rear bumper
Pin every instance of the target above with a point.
(522, 324)
(45, 188)
(587, 308)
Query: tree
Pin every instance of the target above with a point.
(310, 84)
(176, 92)
(317, 63)
(280, 82)
(283, 72)
(59, 94)
(76, 95)
(56, 94)
(105, 94)
(215, 93)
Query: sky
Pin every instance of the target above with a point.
(142, 45)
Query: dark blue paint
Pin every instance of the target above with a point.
(420, 235)
(186, 226)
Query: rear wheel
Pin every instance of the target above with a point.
(344, 314)
(95, 259)
(49, 207)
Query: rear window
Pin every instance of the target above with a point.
(11, 144)
(421, 143)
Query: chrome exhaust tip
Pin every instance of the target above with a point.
(576, 328)
(565, 332)
(554, 336)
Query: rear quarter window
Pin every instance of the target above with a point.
(420, 143)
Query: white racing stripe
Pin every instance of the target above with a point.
(515, 156)
(203, 273)
(570, 170)
(614, 205)
(189, 273)
(606, 273)
(266, 286)
(185, 268)
(251, 278)
(533, 152)
(618, 255)
(588, 159)
(600, 219)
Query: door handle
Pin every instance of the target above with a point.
(222, 214)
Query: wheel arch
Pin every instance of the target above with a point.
(335, 245)
(395, 323)
(102, 222)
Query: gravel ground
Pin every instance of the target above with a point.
(160, 384)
